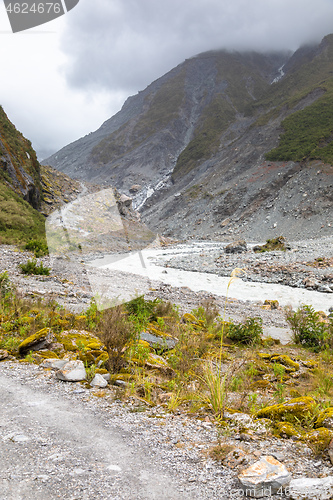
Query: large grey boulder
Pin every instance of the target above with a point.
(311, 488)
(236, 247)
(264, 478)
(73, 371)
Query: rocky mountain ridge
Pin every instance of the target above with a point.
(224, 144)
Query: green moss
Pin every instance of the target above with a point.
(286, 430)
(318, 439)
(47, 354)
(297, 407)
(286, 361)
(28, 342)
(325, 418)
(273, 245)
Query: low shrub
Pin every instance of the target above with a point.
(38, 247)
(247, 333)
(31, 267)
(308, 327)
(115, 330)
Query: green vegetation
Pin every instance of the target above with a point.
(272, 245)
(248, 333)
(31, 267)
(215, 118)
(20, 151)
(205, 372)
(308, 134)
(38, 247)
(309, 328)
(19, 222)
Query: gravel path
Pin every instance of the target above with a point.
(59, 441)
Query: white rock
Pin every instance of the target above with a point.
(73, 371)
(98, 381)
(264, 478)
(311, 488)
(54, 363)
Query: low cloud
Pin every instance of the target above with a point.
(124, 45)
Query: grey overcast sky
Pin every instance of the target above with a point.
(62, 80)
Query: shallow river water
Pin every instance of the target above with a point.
(142, 264)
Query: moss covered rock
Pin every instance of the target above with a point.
(40, 340)
(286, 430)
(325, 418)
(286, 361)
(318, 439)
(297, 407)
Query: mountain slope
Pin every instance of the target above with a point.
(226, 143)
(144, 140)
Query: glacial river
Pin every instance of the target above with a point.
(142, 264)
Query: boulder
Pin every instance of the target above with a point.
(311, 488)
(163, 343)
(236, 247)
(43, 339)
(297, 407)
(54, 363)
(98, 381)
(264, 478)
(72, 371)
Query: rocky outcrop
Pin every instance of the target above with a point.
(19, 167)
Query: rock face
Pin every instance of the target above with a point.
(264, 478)
(19, 167)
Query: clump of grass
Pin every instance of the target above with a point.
(5, 285)
(220, 451)
(31, 267)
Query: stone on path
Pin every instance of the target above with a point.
(264, 478)
(73, 371)
(98, 381)
(311, 488)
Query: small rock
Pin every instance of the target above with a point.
(311, 488)
(264, 478)
(53, 363)
(3, 354)
(73, 371)
(98, 381)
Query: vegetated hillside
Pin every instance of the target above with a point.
(28, 191)
(224, 144)
(20, 186)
